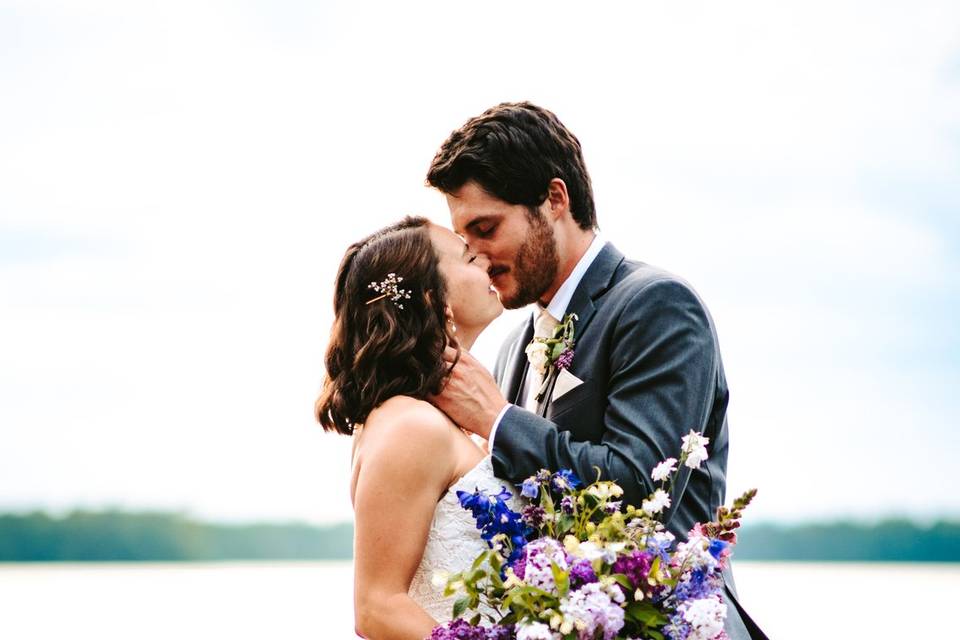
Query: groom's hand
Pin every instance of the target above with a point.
(471, 396)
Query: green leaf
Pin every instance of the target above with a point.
(475, 620)
(460, 606)
(645, 613)
(566, 523)
(479, 560)
(623, 581)
(561, 578)
(556, 351)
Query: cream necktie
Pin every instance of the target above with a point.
(543, 327)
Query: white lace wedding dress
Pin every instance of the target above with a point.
(454, 541)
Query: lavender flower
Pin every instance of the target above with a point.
(461, 630)
(458, 630)
(564, 360)
(566, 505)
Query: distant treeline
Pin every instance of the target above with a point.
(885, 541)
(161, 536)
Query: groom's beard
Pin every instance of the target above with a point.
(535, 265)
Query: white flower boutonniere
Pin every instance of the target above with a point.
(548, 356)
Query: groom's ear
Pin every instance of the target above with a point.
(558, 198)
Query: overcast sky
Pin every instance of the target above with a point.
(178, 182)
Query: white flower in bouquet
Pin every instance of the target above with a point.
(663, 470)
(695, 552)
(705, 616)
(535, 631)
(537, 356)
(605, 490)
(591, 610)
(695, 446)
(659, 501)
(439, 579)
(588, 550)
(538, 571)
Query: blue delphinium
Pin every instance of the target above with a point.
(717, 547)
(494, 517)
(530, 488)
(565, 480)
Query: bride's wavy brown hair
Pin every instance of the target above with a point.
(378, 350)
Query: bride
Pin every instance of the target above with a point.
(403, 295)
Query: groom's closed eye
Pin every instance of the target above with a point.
(485, 231)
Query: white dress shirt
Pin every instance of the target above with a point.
(557, 307)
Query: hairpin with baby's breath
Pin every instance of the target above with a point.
(388, 289)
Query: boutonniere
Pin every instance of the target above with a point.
(549, 355)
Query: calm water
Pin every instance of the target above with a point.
(290, 601)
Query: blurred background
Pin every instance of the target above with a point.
(179, 180)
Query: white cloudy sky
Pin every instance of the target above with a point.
(178, 181)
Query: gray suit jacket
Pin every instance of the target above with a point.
(647, 351)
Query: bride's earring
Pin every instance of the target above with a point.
(453, 327)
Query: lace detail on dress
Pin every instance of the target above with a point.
(454, 541)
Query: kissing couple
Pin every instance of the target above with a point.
(428, 420)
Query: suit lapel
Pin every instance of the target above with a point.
(595, 282)
(515, 371)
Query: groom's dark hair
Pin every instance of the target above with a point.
(380, 347)
(513, 151)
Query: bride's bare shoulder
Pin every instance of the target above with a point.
(403, 423)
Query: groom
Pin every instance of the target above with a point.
(646, 367)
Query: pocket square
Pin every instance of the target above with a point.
(566, 382)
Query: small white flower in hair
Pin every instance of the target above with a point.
(388, 289)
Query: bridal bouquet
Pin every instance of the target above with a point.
(575, 564)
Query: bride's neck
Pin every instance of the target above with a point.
(466, 338)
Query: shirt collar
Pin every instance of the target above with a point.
(558, 305)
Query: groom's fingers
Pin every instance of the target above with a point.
(450, 354)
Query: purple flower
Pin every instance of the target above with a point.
(500, 632)
(581, 573)
(566, 505)
(461, 630)
(519, 565)
(458, 630)
(564, 360)
(635, 566)
(533, 515)
(612, 507)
